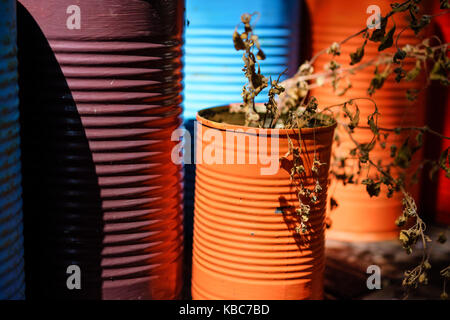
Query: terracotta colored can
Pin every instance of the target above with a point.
(100, 98)
(12, 277)
(213, 74)
(359, 217)
(245, 242)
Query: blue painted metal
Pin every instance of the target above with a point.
(12, 282)
(213, 68)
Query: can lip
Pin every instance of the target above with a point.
(201, 117)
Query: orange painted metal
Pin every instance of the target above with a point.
(359, 217)
(245, 243)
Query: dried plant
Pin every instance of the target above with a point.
(290, 106)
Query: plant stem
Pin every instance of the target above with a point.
(423, 129)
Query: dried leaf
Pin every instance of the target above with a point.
(444, 162)
(237, 40)
(404, 155)
(358, 55)
(260, 55)
(373, 188)
(393, 150)
(400, 74)
(378, 34)
(372, 124)
(333, 203)
(397, 7)
(440, 72)
(378, 80)
(388, 40)
(354, 119)
(399, 55)
(414, 72)
(418, 25)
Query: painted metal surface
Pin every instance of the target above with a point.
(12, 277)
(443, 183)
(245, 243)
(213, 67)
(99, 106)
(359, 217)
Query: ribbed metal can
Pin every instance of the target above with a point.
(100, 97)
(359, 217)
(213, 67)
(12, 276)
(245, 241)
(443, 185)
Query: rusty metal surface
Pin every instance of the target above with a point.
(12, 285)
(99, 106)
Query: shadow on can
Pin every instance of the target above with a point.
(62, 205)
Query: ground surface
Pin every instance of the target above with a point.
(346, 269)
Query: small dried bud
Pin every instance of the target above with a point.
(400, 221)
(317, 188)
(305, 209)
(404, 237)
(317, 163)
(306, 68)
(332, 65)
(300, 110)
(408, 49)
(260, 55)
(445, 273)
(252, 117)
(320, 80)
(423, 278)
(245, 18)
(299, 229)
(300, 169)
(334, 49)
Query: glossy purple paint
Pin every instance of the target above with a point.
(99, 110)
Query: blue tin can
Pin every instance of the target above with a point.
(12, 281)
(213, 68)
